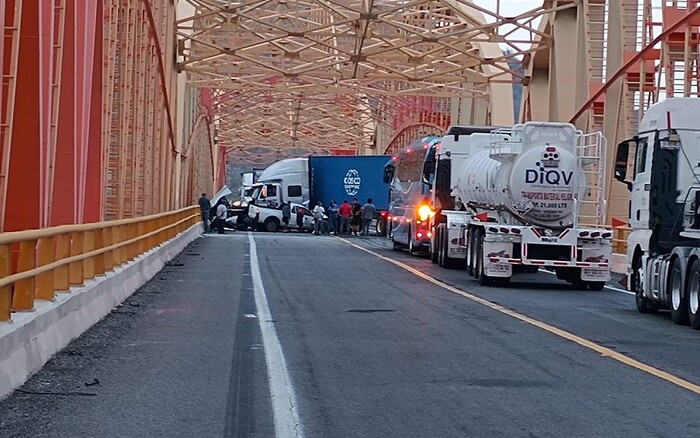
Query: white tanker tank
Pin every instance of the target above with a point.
(531, 171)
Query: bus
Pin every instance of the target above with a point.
(421, 188)
(410, 195)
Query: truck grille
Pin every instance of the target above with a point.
(560, 253)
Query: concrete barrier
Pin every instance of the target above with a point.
(30, 340)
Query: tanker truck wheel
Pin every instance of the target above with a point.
(694, 295)
(434, 244)
(411, 248)
(483, 279)
(470, 251)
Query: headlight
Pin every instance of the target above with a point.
(425, 212)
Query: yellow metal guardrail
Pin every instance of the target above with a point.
(35, 264)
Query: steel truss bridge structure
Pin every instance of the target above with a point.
(114, 109)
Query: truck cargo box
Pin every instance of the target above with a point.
(346, 177)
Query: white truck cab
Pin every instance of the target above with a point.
(661, 168)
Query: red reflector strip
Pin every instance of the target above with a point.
(561, 263)
(537, 262)
(561, 236)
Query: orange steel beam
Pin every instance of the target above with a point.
(63, 193)
(94, 188)
(161, 72)
(23, 208)
(632, 61)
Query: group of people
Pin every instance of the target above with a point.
(346, 218)
(220, 213)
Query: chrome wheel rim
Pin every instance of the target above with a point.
(694, 292)
(676, 289)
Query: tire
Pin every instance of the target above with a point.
(411, 249)
(678, 298)
(693, 293)
(272, 224)
(440, 252)
(380, 227)
(470, 251)
(396, 246)
(483, 279)
(644, 305)
(435, 242)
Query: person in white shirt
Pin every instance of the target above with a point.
(221, 211)
(318, 217)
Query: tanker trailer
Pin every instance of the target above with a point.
(532, 196)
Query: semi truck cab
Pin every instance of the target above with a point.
(661, 168)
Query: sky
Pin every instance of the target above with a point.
(511, 8)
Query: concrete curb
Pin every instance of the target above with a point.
(30, 340)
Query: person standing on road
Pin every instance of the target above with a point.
(300, 219)
(356, 222)
(286, 215)
(333, 214)
(221, 211)
(345, 211)
(368, 212)
(205, 206)
(318, 217)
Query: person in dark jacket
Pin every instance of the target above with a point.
(286, 215)
(205, 206)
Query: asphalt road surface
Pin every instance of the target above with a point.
(264, 335)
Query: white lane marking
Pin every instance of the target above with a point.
(616, 289)
(284, 405)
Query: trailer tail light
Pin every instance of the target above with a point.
(505, 230)
(389, 218)
(430, 234)
(419, 235)
(382, 213)
(515, 230)
(583, 234)
(595, 234)
(493, 230)
(606, 235)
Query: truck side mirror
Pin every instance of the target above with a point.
(622, 161)
(389, 172)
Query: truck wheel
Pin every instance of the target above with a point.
(272, 224)
(434, 242)
(678, 298)
(395, 246)
(694, 295)
(644, 305)
(381, 227)
(440, 252)
(483, 279)
(470, 251)
(411, 248)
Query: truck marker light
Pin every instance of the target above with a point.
(583, 234)
(505, 230)
(515, 231)
(606, 235)
(595, 234)
(493, 229)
